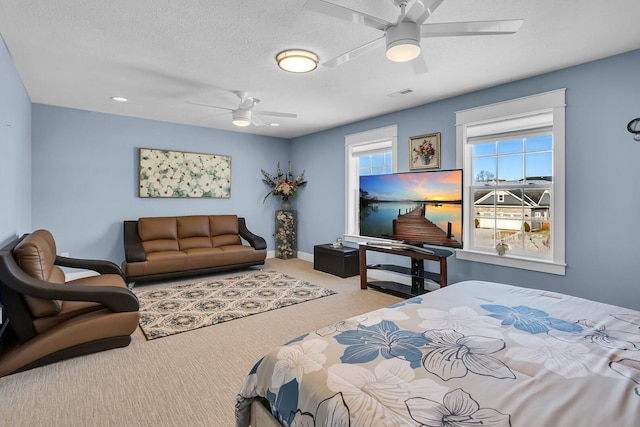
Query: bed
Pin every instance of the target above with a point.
(473, 353)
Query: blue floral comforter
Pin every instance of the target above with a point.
(471, 354)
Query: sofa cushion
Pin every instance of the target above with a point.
(235, 254)
(162, 262)
(68, 310)
(158, 234)
(158, 228)
(225, 240)
(36, 255)
(194, 242)
(100, 280)
(193, 226)
(160, 245)
(193, 232)
(223, 224)
(40, 307)
(204, 257)
(71, 309)
(224, 230)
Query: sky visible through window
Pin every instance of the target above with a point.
(514, 160)
(375, 164)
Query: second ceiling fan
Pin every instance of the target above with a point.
(244, 114)
(402, 38)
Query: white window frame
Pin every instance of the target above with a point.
(549, 102)
(369, 142)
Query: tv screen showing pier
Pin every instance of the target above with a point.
(413, 207)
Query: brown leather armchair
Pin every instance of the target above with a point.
(50, 319)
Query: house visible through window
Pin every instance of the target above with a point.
(366, 153)
(512, 186)
(513, 157)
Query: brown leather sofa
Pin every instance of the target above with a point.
(50, 319)
(167, 247)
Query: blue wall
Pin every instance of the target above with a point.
(603, 195)
(15, 152)
(85, 176)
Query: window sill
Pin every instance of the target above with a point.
(542, 266)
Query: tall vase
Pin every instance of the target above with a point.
(286, 239)
(286, 205)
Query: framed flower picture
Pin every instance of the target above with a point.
(424, 151)
(165, 173)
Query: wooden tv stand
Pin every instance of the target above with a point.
(417, 272)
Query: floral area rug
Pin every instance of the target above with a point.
(171, 309)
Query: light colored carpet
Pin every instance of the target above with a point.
(169, 309)
(189, 379)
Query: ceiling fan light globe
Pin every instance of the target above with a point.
(241, 118)
(403, 52)
(403, 42)
(297, 61)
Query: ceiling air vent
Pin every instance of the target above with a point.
(400, 93)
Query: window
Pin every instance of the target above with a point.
(372, 152)
(511, 186)
(513, 157)
(375, 164)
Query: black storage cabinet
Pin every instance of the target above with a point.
(342, 261)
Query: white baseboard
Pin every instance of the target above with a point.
(301, 255)
(305, 256)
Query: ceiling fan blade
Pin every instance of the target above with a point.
(472, 28)
(419, 65)
(207, 105)
(421, 10)
(256, 121)
(359, 51)
(218, 114)
(346, 14)
(275, 114)
(211, 116)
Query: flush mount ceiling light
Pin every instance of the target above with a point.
(119, 99)
(403, 42)
(241, 118)
(297, 60)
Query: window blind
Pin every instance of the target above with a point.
(510, 128)
(371, 148)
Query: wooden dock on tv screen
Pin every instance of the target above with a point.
(414, 227)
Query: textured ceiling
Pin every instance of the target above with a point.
(163, 54)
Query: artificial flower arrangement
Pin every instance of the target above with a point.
(425, 150)
(283, 185)
(285, 235)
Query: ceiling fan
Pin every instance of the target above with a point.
(402, 39)
(244, 114)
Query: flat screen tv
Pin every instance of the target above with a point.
(423, 208)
